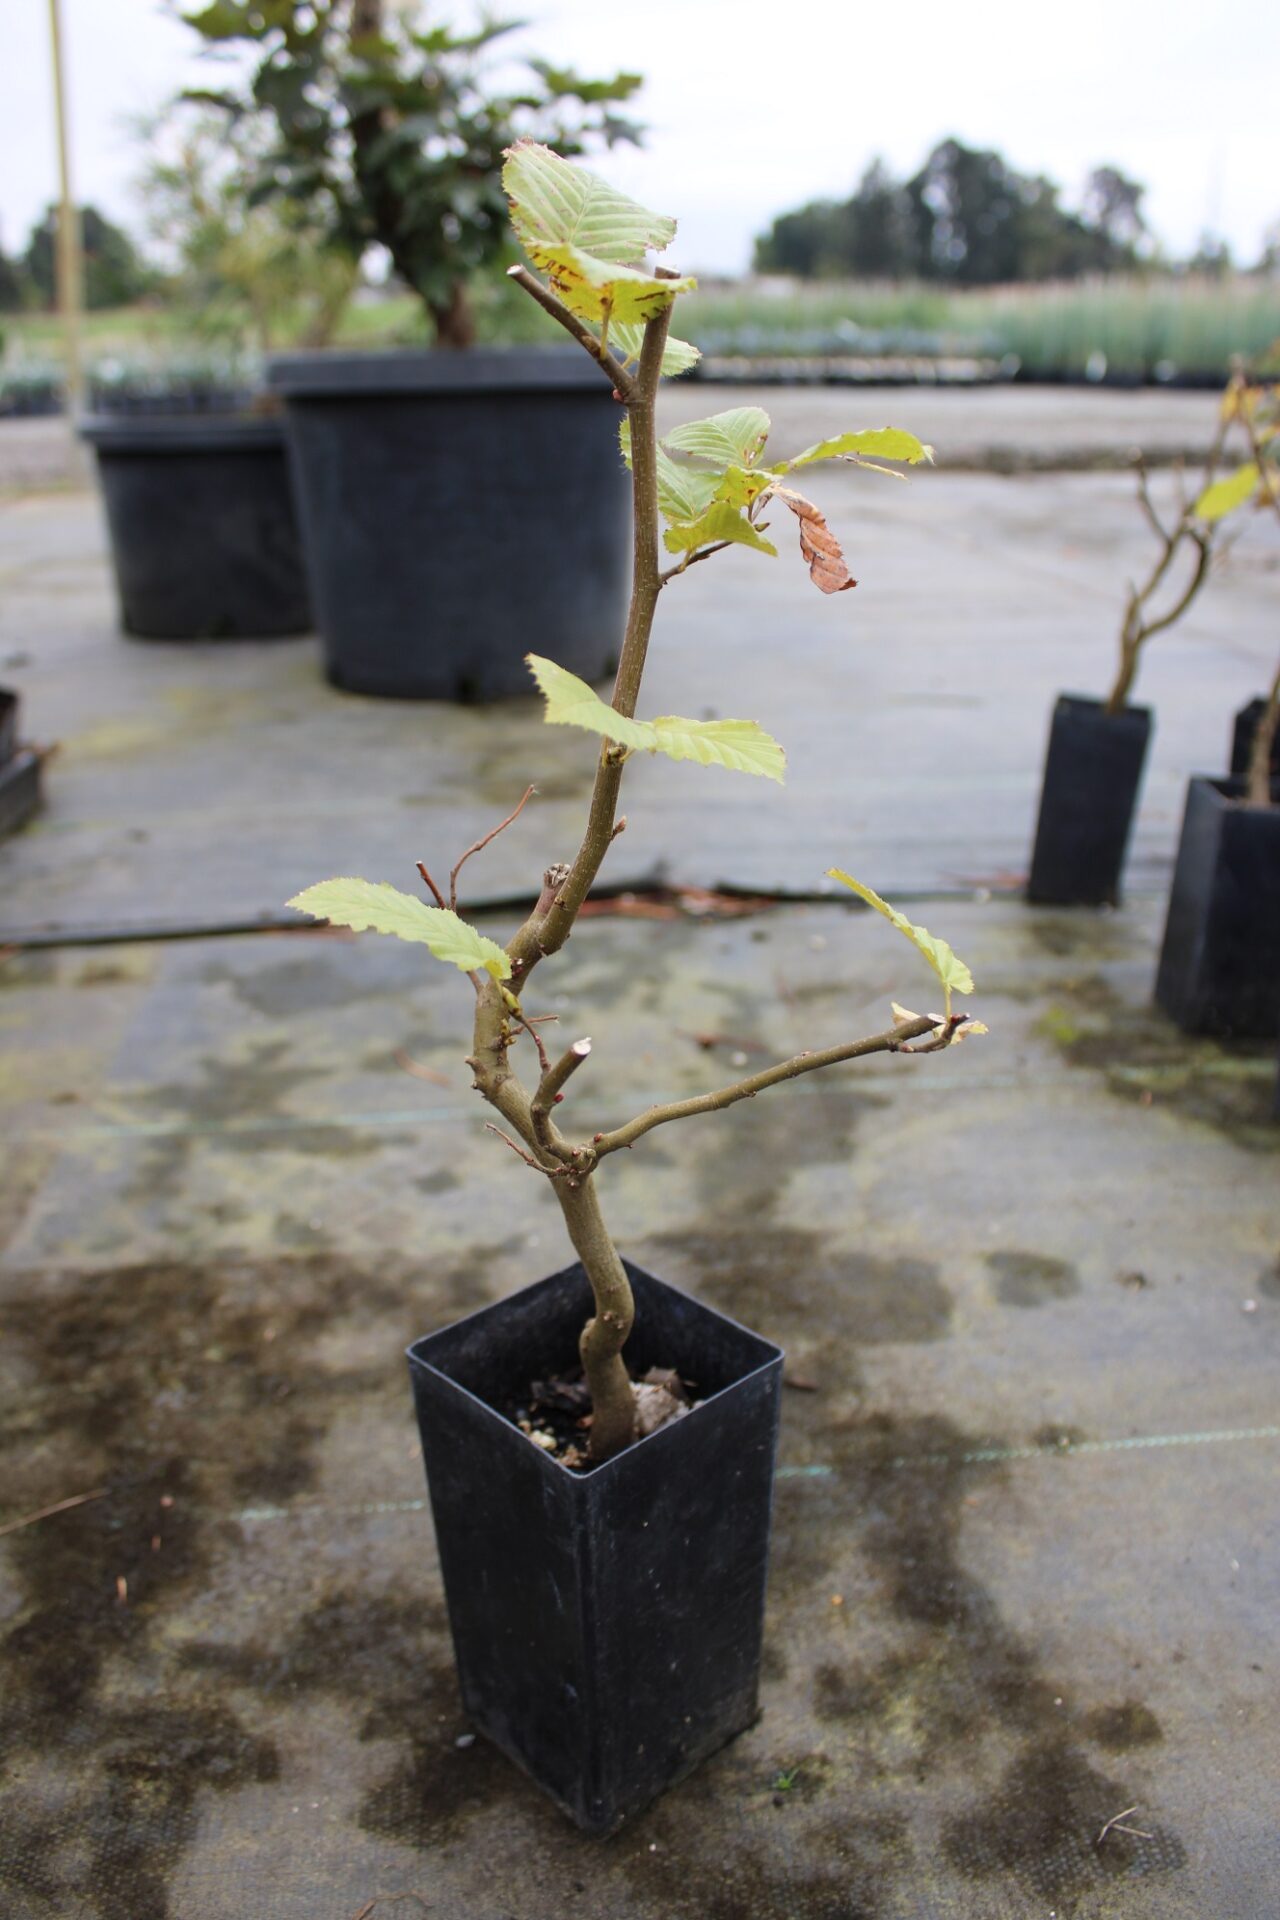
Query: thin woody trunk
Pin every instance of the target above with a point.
(452, 318)
(1258, 784)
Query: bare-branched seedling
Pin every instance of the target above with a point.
(709, 481)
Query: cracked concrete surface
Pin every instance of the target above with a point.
(1025, 1565)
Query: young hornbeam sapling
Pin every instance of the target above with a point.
(711, 483)
(1188, 541)
(1257, 407)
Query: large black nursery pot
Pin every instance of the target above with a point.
(1092, 773)
(459, 510)
(606, 1624)
(1220, 963)
(204, 539)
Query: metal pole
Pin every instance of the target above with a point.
(70, 255)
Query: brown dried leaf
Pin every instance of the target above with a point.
(819, 546)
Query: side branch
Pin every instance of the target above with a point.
(756, 1083)
(624, 384)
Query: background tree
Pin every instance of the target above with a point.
(264, 270)
(967, 217)
(383, 131)
(12, 285)
(114, 272)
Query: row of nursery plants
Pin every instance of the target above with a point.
(1153, 332)
(1219, 969)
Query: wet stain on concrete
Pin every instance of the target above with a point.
(1145, 1060)
(310, 983)
(1122, 1727)
(183, 1393)
(1042, 1826)
(1031, 1279)
(229, 1109)
(956, 1688)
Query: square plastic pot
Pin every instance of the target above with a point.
(607, 1625)
(1092, 773)
(1220, 962)
(1242, 732)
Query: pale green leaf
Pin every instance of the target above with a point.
(555, 203)
(721, 521)
(738, 744)
(952, 972)
(741, 745)
(739, 486)
(572, 703)
(381, 908)
(677, 355)
(1225, 495)
(683, 492)
(592, 287)
(735, 438)
(884, 443)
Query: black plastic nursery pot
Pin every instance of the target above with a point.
(459, 510)
(1242, 732)
(1220, 963)
(607, 1624)
(1092, 773)
(204, 538)
(19, 769)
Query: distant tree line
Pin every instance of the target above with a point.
(114, 272)
(966, 218)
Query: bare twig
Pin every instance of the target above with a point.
(550, 1089)
(890, 1042)
(408, 1064)
(431, 885)
(47, 1513)
(691, 559)
(527, 1157)
(1116, 1825)
(481, 844)
(544, 1060)
(624, 383)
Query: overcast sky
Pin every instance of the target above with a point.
(754, 108)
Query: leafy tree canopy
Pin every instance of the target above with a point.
(966, 217)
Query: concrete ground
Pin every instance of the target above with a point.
(1026, 1564)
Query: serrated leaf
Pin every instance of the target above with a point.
(572, 703)
(738, 744)
(951, 971)
(734, 438)
(721, 521)
(739, 486)
(684, 493)
(1225, 495)
(376, 906)
(677, 355)
(554, 204)
(883, 443)
(592, 287)
(819, 546)
(741, 745)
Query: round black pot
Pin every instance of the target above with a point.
(1092, 772)
(459, 510)
(1220, 962)
(204, 540)
(607, 1625)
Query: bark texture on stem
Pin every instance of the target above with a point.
(1258, 784)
